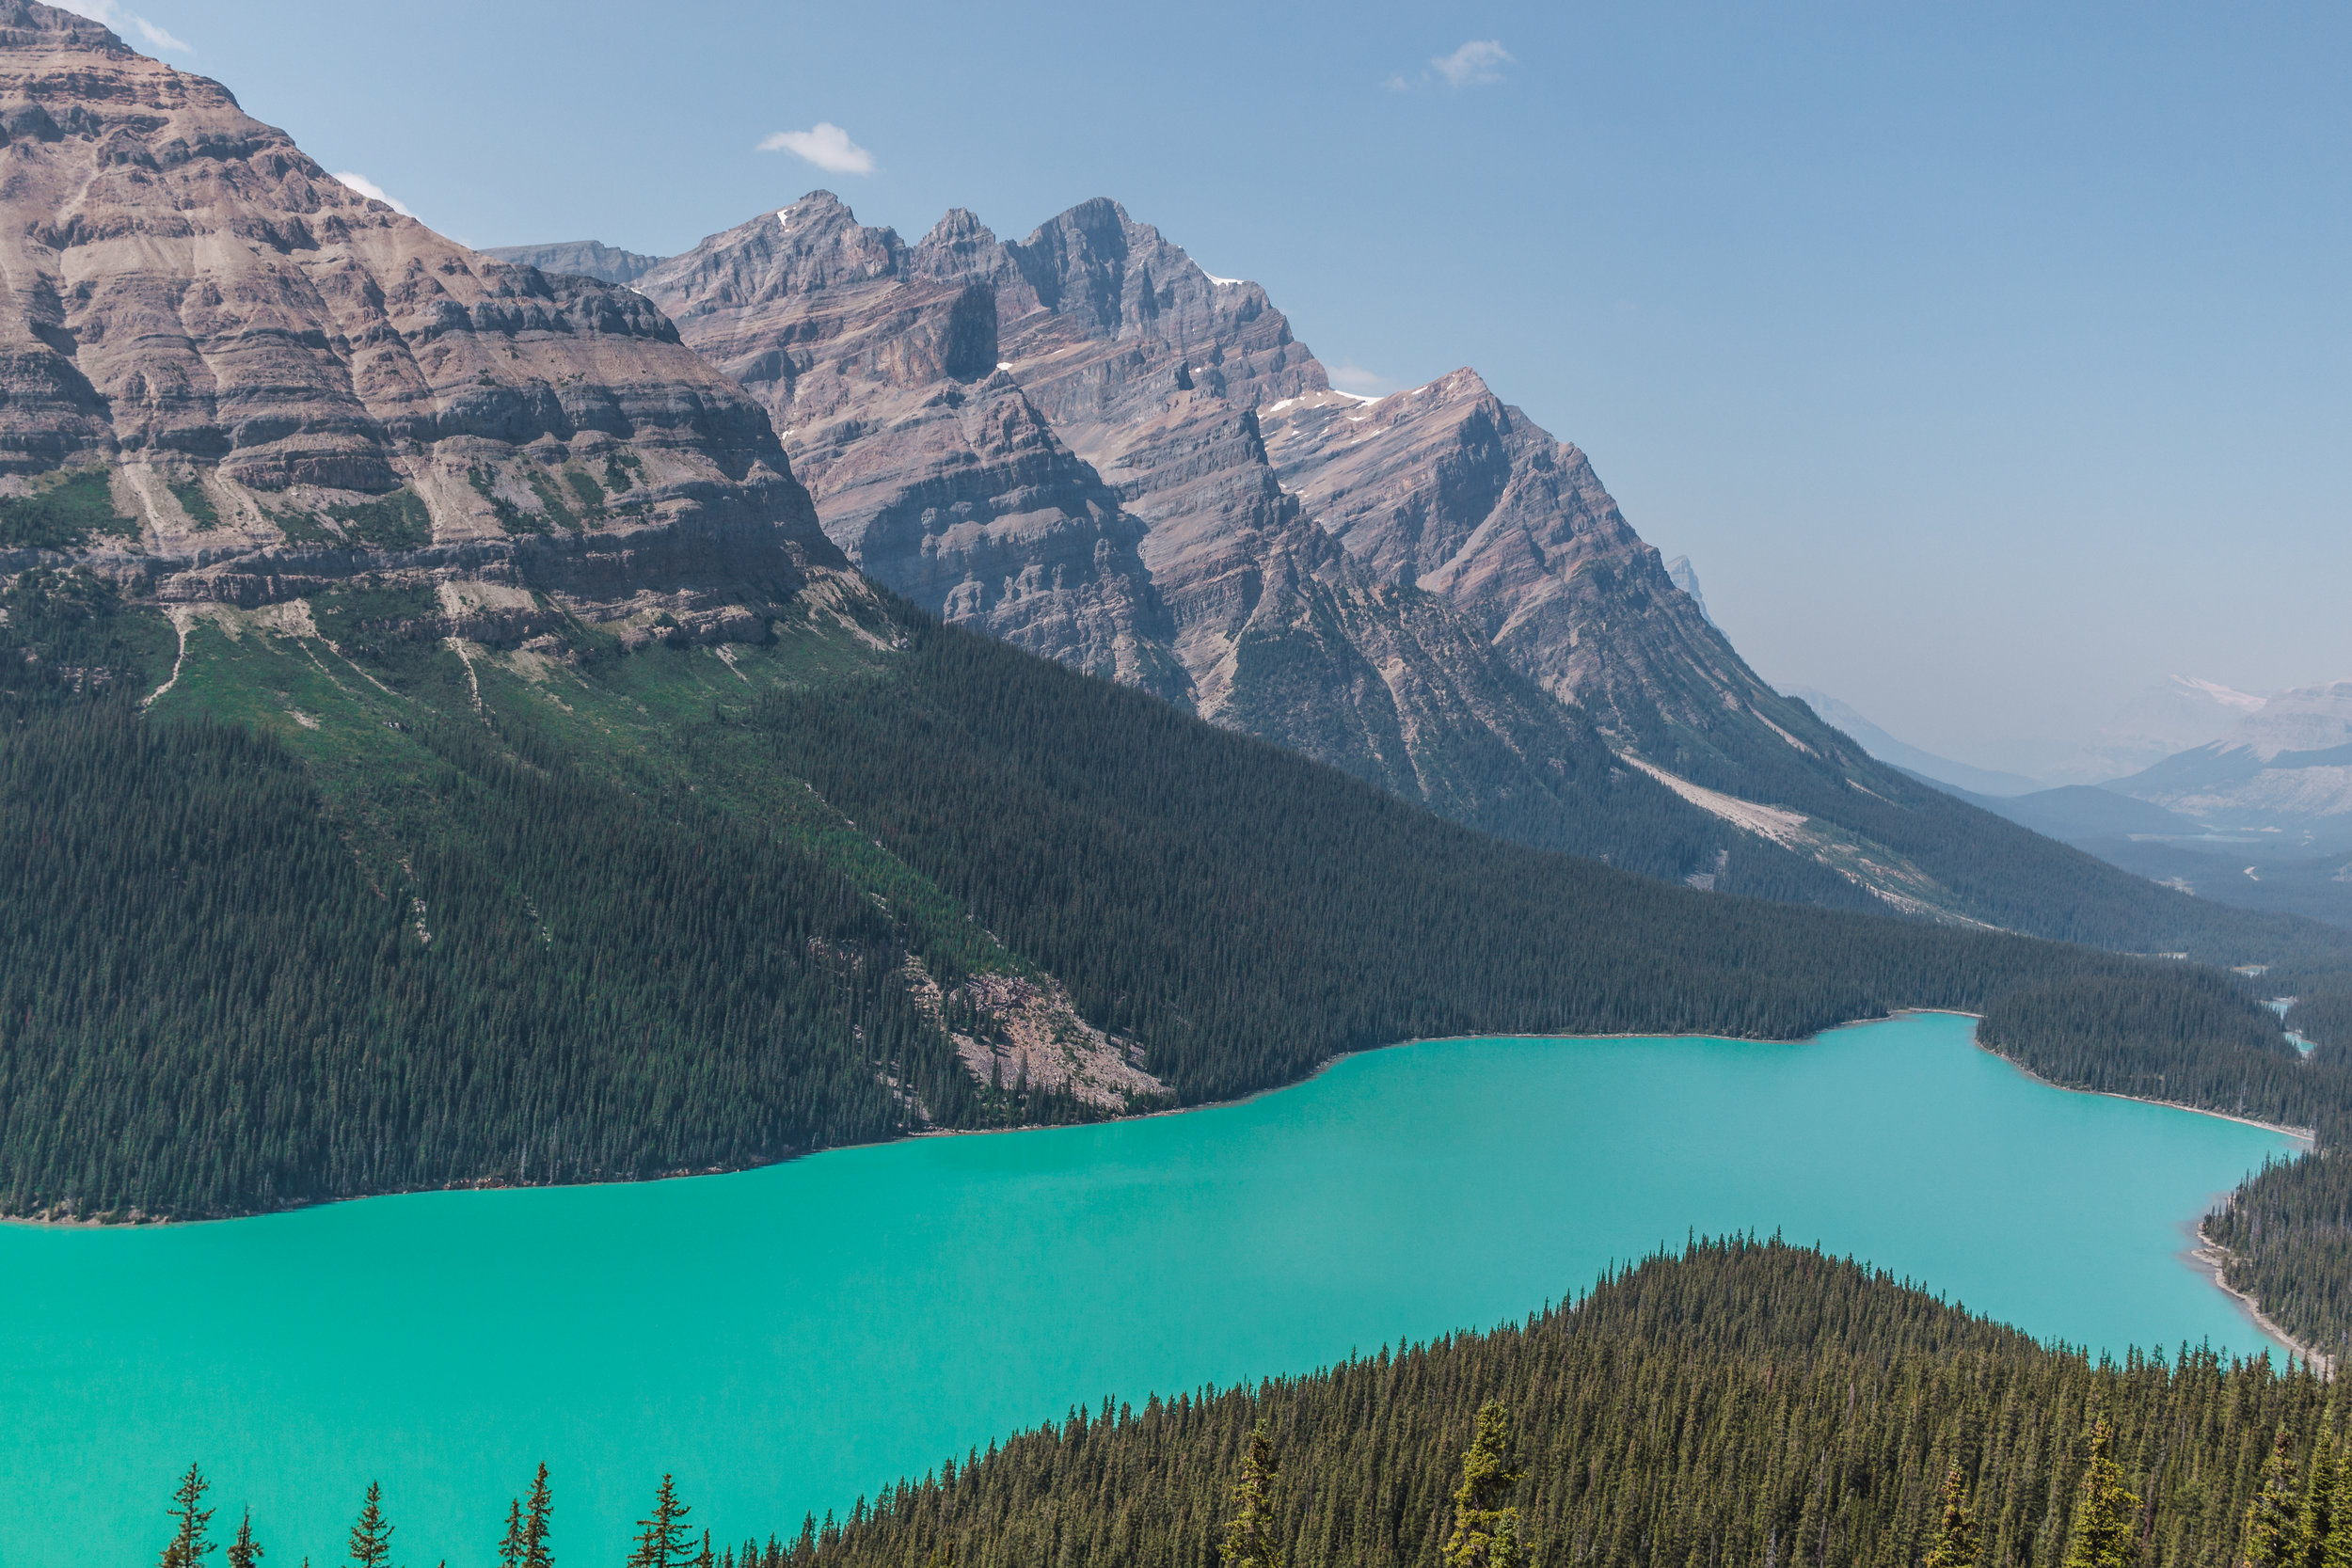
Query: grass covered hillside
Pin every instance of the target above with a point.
(369, 891)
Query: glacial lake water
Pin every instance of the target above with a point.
(785, 1339)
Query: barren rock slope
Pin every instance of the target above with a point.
(229, 375)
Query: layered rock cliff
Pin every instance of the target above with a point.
(1059, 439)
(228, 375)
(929, 465)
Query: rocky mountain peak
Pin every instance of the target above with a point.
(29, 24)
(974, 507)
(960, 246)
(273, 381)
(1157, 481)
(2307, 719)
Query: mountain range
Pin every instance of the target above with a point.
(1082, 443)
(491, 724)
(2261, 818)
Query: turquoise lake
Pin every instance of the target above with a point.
(787, 1339)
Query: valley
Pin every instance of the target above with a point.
(545, 792)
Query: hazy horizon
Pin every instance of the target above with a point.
(1989, 366)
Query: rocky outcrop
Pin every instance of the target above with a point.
(580, 259)
(271, 379)
(1448, 487)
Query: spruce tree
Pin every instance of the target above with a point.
(1955, 1545)
(2317, 1527)
(663, 1537)
(2336, 1552)
(371, 1534)
(189, 1541)
(511, 1546)
(1486, 1532)
(2274, 1520)
(245, 1552)
(536, 1515)
(1250, 1535)
(2104, 1510)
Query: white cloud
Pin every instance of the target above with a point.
(373, 192)
(1479, 60)
(824, 144)
(1360, 382)
(112, 15)
(157, 38)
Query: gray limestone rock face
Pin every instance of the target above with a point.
(1448, 488)
(929, 466)
(260, 355)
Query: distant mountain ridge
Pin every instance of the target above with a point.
(580, 259)
(2286, 764)
(1912, 759)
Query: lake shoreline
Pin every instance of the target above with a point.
(2213, 1258)
(2302, 1135)
(2307, 1137)
(139, 1222)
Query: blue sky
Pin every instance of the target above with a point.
(1990, 362)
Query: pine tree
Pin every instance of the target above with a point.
(245, 1552)
(2337, 1550)
(663, 1537)
(371, 1534)
(537, 1512)
(511, 1548)
(2317, 1527)
(2274, 1520)
(189, 1544)
(1249, 1538)
(1485, 1533)
(1956, 1533)
(2104, 1510)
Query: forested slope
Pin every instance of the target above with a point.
(360, 904)
(1251, 912)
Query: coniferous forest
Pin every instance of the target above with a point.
(1748, 1403)
(237, 974)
